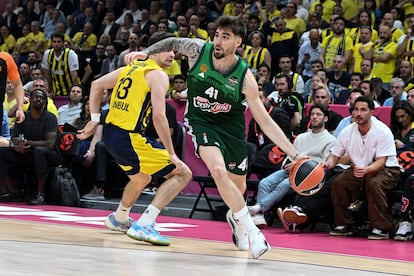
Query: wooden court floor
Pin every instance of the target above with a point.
(41, 248)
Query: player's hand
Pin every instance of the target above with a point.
(178, 164)
(300, 157)
(288, 167)
(133, 56)
(87, 131)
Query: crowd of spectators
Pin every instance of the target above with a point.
(301, 51)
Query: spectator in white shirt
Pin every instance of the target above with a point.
(71, 111)
(308, 52)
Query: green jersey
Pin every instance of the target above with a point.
(215, 99)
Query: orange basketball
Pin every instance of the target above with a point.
(307, 177)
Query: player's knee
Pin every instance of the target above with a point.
(140, 179)
(187, 173)
(219, 174)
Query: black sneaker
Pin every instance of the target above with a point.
(341, 230)
(39, 199)
(95, 194)
(11, 197)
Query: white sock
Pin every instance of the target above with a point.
(244, 218)
(149, 215)
(122, 213)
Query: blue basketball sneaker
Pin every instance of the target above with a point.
(114, 225)
(148, 234)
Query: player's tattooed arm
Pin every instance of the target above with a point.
(190, 47)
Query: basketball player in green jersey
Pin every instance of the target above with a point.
(138, 93)
(220, 85)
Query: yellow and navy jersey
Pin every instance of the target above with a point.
(60, 72)
(254, 59)
(131, 107)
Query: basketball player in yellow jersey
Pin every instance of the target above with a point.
(139, 92)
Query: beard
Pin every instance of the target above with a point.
(218, 55)
(317, 125)
(37, 105)
(31, 62)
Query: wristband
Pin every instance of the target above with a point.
(402, 146)
(96, 117)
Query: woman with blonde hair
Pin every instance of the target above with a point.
(105, 39)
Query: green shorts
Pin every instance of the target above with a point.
(232, 147)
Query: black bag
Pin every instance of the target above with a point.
(63, 189)
(68, 144)
(269, 157)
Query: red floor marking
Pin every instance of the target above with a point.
(216, 231)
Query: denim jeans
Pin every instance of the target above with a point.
(273, 189)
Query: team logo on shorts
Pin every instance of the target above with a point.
(232, 165)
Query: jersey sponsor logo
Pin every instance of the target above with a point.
(213, 107)
(58, 72)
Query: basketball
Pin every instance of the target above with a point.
(307, 177)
